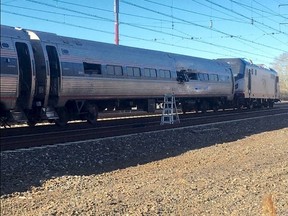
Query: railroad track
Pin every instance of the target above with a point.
(16, 138)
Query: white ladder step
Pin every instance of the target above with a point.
(169, 112)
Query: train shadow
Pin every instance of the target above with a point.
(22, 170)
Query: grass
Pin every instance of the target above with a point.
(268, 206)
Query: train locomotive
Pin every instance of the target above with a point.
(49, 77)
(255, 85)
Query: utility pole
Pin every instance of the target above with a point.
(116, 13)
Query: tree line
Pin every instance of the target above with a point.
(280, 64)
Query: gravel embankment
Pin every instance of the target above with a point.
(237, 168)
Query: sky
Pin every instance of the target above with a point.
(253, 29)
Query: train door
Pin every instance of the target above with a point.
(276, 87)
(26, 75)
(233, 81)
(249, 82)
(55, 74)
(42, 74)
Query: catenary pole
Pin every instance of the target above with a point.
(116, 13)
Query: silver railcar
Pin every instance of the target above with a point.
(71, 78)
(91, 76)
(17, 73)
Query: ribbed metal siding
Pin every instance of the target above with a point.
(8, 90)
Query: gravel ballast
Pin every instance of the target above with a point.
(235, 168)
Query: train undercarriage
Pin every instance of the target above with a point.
(89, 109)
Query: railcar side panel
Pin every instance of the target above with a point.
(17, 70)
(9, 75)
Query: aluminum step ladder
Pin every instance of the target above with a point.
(169, 112)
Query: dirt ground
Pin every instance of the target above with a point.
(244, 177)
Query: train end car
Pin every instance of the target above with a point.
(255, 85)
(78, 78)
(17, 74)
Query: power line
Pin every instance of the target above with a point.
(199, 41)
(221, 6)
(189, 11)
(74, 11)
(52, 12)
(58, 22)
(171, 19)
(157, 31)
(107, 32)
(214, 9)
(272, 12)
(247, 7)
(201, 26)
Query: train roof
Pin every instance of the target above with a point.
(245, 61)
(122, 53)
(8, 31)
(130, 55)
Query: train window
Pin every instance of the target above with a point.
(129, 71)
(255, 72)
(193, 76)
(90, 68)
(114, 70)
(118, 70)
(136, 71)
(153, 72)
(164, 74)
(203, 77)
(133, 71)
(167, 74)
(147, 72)
(213, 77)
(110, 69)
(161, 73)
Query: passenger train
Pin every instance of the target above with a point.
(49, 77)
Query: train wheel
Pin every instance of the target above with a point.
(31, 122)
(271, 104)
(92, 114)
(63, 117)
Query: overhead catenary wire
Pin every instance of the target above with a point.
(111, 33)
(247, 7)
(225, 8)
(131, 24)
(201, 26)
(161, 26)
(105, 19)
